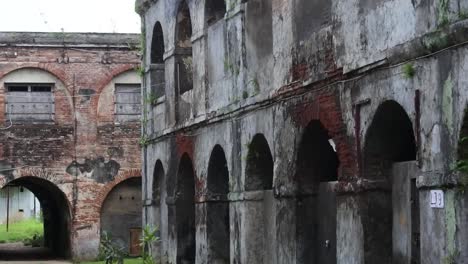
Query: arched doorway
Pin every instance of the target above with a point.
(185, 211)
(389, 159)
(158, 177)
(218, 208)
(259, 181)
(317, 165)
(56, 217)
(121, 215)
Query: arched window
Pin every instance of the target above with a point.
(184, 66)
(157, 68)
(157, 45)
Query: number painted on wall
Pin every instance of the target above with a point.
(437, 199)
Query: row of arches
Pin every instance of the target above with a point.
(389, 142)
(183, 73)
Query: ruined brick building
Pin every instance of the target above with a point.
(306, 131)
(69, 131)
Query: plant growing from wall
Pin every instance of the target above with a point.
(150, 99)
(140, 70)
(148, 238)
(443, 18)
(144, 141)
(463, 14)
(245, 94)
(408, 70)
(254, 82)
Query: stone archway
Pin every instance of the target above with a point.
(217, 208)
(260, 219)
(389, 160)
(316, 167)
(185, 211)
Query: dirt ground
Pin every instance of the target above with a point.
(17, 253)
(35, 262)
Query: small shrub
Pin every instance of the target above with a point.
(463, 14)
(149, 236)
(110, 250)
(35, 241)
(408, 71)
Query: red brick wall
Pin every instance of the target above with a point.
(75, 134)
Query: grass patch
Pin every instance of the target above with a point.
(126, 261)
(21, 231)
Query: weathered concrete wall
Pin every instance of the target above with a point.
(82, 150)
(383, 78)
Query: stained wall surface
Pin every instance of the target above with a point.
(383, 80)
(78, 151)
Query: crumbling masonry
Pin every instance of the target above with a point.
(66, 134)
(305, 131)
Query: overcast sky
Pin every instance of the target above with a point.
(72, 15)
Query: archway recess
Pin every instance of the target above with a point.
(389, 159)
(218, 207)
(316, 167)
(121, 215)
(56, 217)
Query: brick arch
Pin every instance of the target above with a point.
(114, 72)
(104, 192)
(56, 72)
(57, 211)
(326, 109)
(62, 98)
(105, 102)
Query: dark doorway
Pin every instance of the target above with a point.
(56, 221)
(389, 148)
(259, 170)
(317, 166)
(218, 208)
(259, 180)
(185, 211)
(158, 177)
